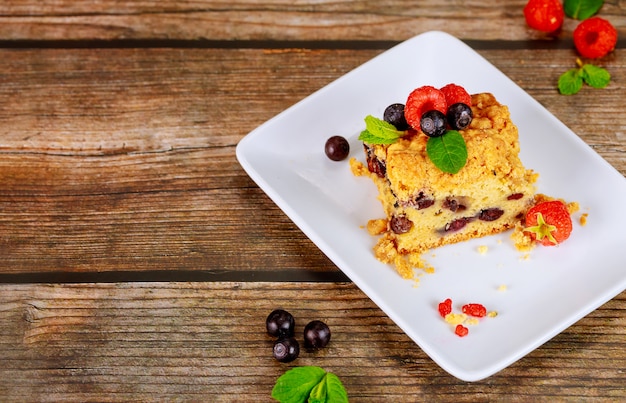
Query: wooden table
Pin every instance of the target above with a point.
(139, 261)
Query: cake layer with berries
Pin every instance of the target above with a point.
(427, 207)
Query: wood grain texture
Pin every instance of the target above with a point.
(273, 20)
(117, 161)
(124, 159)
(198, 341)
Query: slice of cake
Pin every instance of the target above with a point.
(427, 207)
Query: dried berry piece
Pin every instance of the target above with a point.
(445, 307)
(374, 165)
(515, 196)
(490, 214)
(453, 205)
(461, 330)
(456, 224)
(400, 224)
(421, 201)
(476, 310)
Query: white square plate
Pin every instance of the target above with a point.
(545, 292)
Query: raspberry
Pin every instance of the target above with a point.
(456, 94)
(421, 100)
(544, 15)
(549, 223)
(595, 37)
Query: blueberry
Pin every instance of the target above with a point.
(459, 116)
(286, 349)
(316, 335)
(337, 148)
(433, 123)
(394, 114)
(280, 323)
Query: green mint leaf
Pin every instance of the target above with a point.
(570, 82)
(582, 9)
(367, 137)
(447, 152)
(336, 392)
(382, 129)
(595, 76)
(319, 394)
(330, 389)
(295, 385)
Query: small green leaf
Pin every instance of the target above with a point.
(329, 390)
(319, 394)
(570, 82)
(595, 76)
(295, 385)
(309, 384)
(448, 152)
(382, 129)
(582, 9)
(336, 393)
(378, 131)
(368, 137)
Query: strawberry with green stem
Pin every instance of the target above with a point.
(549, 222)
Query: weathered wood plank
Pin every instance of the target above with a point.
(188, 341)
(192, 340)
(273, 20)
(123, 159)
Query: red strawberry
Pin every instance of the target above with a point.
(549, 222)
(595, 37)
(544, 15)
(421, 100)
(456, 94)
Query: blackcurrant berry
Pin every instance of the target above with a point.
(459, 116)
(394, 114)
(316, 335)
(337, 148)
(286, 349)
(433, 123)
(280, 323)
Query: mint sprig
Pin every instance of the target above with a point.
(309, 384)
(378, 131)
(572, 80)
(582, 9)
(448, 152)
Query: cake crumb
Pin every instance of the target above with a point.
(492, 314)
(502, 287)
(377, 226)
(472, 321)
(455, 318)
(358, 168)
(483, 249)
(583, 219)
